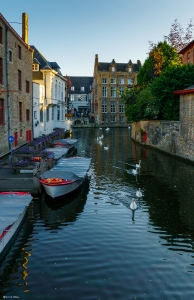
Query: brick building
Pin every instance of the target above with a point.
(15, 85)
(188, 53)
(109, 82)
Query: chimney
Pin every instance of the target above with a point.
(25, 28)
(96, 58)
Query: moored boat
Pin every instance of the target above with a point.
(66, 177)
(13, 207)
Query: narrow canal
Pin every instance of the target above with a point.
(92, 246)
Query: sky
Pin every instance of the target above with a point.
(71, 32)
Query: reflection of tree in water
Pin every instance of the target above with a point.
(63, 209)
(168, 194)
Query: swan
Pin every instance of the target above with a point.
(133, 205)
(138, 165)
(100, 142)
(100, 128)
(139, 193)
(107, 128)
(135, 171)
(105, 148)
(129, 127)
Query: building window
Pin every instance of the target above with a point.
(130, 81)
(56, 89)
(10, 56)
(113, 69)
(53, 113)
(27, 115)
(71, 97)
(62, 92)
(1, 35)
(130, 70)
(121, 108)
(35, 114)
(188, 57)
(113, 91)
(121, 119)
(121, 91)
(47, 114)
(104, 118)
(1, 70)
(62, 114)
(104, 91)
(113, 118)
(19, 52)
(104, 80)
(41, 112)
(19, 80)
(58, 113)
(72, 88)
(20, 111)
(104, 107)
(1, 111)
(121, 80)
(113, 106)
(35, 67)
(82, 88)
(59, 90)
(113, 80)
(27, 87)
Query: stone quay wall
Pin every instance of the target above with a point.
(175, 138)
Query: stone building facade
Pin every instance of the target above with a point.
(175, 138)
(109, 82)
(15, 85)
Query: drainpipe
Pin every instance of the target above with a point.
(7, 88)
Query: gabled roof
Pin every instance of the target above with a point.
(188, 90)
(81, 81)
(121, 67)
(44, 63)
(186, 48)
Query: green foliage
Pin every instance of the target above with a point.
(160, 57)
(172, 79)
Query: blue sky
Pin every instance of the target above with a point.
(71, 32)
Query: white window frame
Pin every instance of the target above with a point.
(113, 107)
(104, 91)
(121, 81)
(72, 98)
(72, 88)
(82, 89)
(121, 108)
(113, 118)
(104, 80)
(113, 80)
(113, 69)
(113, 92)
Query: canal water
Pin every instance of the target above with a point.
(93, 246)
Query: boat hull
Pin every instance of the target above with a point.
(55, 191)
(10, 233)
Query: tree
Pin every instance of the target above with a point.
(177, 37)
(172, 79)
(160, 57)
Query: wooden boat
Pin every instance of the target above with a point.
(64, 143)
(66, 177)
(13, 207)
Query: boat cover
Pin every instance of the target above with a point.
(11, 206)
(59, 174)
(66, 141)
(77, 165)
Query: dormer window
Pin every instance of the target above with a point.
(130, 70)
(82, 88)
(35, 67)
(113, 69)
(72, 88)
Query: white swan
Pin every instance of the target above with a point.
(138, 165)
(133, 205)
(105, 148)
(135, 171)
(139, 193)
(100, 142)
(107, 128)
